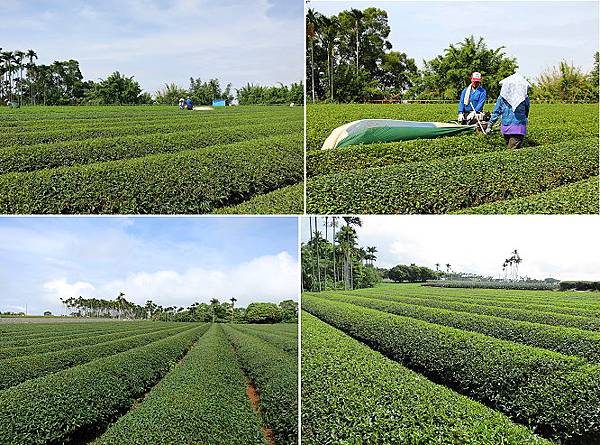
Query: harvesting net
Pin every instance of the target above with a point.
(370, 131)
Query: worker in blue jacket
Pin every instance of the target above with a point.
(188, 103)
(472, 99)
(512, 107)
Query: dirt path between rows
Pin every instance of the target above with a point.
(252, 394)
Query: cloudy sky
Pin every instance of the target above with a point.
(163, 41)
(563, 247)
(173, 261)
(538, 34)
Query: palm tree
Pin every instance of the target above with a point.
(448, 268)
(312, 247)
(233, 300)
(119, 300)
(371, 251)
(19, 55)
(213, 306)
(348, 234)
(312, 20)
(7, 56)
(317, 240)
(329, 33)
(357, 15)
(333, 226)
(31, 54)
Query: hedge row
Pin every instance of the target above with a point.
(194, 181)
(325, 162)
(202, 401)
(284, 342)
(13, 335)
(43, 346)
(27, 141)
(287, 200)
(275, 374)
(450, 184)
(580, 285)
(287, 329)
(509, 285)
(568, 341)
(13, 339)
(25, 329)
(20, 369)
(581, 197)
(44, 156)
(557, 395)
(199, 119)
(522, 305)
(81, 400)
(546, 297)
(119, 111)
(535, 316)
(352, 394)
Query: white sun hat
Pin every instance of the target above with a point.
(514, 89)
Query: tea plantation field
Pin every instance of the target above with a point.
(148, 383)
(413, 365)
(556, 172)
(151, 160)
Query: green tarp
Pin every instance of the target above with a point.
(369, 131)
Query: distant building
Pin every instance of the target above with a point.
(219, 103)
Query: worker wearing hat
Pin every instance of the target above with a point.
(472, 99)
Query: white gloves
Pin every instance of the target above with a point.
(471, 115)
(488, 130)
(460, 117)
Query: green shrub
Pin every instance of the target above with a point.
(580, 285)
(202, 401)
(19, 369)
(275, 374)
(568, 341)
(287, 200)
(559, 308)
(43, 345)
(325, 162)
(450, 184)
(83, 399)
(591, 322)
(285, 342)
(194, 181)
(46, 156)
(352, 395)
(577, 198)
(262, 313)
(89, 130)
(557, 395)
(471, 284)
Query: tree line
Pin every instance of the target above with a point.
(337, 263)
(24, 82)
(349, 59)
(214, 311)
(203, 93)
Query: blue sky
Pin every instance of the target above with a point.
(174, 261)
(538, 34)
(564, 247)
(163, 41)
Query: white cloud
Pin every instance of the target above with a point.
(60, 288)
(265, 278)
